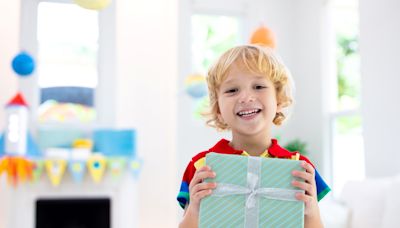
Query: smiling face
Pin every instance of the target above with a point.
(247, 102)
(252, 61)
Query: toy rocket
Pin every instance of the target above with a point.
(16, 126)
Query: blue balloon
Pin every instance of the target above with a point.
(23, 64)
(197, 90)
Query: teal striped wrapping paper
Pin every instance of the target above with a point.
(231, 211)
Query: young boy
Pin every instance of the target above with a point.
(249, 87)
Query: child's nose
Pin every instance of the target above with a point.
(246, 96)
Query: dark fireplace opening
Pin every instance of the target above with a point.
(73, 213)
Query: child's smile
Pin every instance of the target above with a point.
(248, 114)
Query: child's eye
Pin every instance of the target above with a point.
(231, 91)
(259, 87)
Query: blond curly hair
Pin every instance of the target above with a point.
(259, 60)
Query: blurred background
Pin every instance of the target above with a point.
(139, 67)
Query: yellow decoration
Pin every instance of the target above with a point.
(93, 4)
(135, 165)
(96, 165)
(55, 170)
(263, 36)
(83, 143)
(16, 168)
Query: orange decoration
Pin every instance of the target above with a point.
(16, 168)
(263, 36)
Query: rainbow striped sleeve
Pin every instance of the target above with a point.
(322, 187)
(183, 195)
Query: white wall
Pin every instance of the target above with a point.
(9, 31)
(146, 56)
(380, 48)
(306, 64)
(9, 47)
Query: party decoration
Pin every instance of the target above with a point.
(1, 145)
(32, 150)
(116, 166)
(55, 170)
(196, 86)
(77, 169)
(263, 36)
(23, 64)
(135, 166)
(115, 143)
(62, 137)
(18, 169)
(93, 4)
(73, 150)
(52, 111)
(37, 170)
(96, 165)
(83, 143)
(16, 126)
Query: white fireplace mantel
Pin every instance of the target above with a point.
(17, 205)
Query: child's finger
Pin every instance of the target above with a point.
(204, 168)
(200, 175)
(303, 197)
(308, 188)
(303, 175)
(203, 186)
(201, 194)
(308, 167)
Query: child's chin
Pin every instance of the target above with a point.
(249, 130)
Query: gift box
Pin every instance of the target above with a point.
(252, 192)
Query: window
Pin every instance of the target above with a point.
(346, 123)
(74, 50)
(67, 37)
(211, 36)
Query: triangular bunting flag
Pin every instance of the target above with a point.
(116, 166)
(37, 170)
(77, 169)
(55, 170)
(96, 165)
(135, 166)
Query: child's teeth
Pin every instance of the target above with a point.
(248, 112)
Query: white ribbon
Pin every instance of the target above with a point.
(254, 192)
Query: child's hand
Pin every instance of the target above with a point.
(311, 210)
(199, 189)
